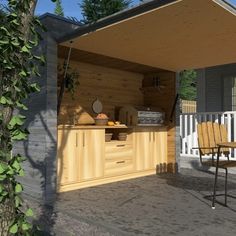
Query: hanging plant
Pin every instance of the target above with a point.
(67, 79)
(72, 81)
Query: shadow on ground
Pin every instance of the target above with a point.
(164, 204)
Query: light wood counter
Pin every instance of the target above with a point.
(92, 127)
(67, 126)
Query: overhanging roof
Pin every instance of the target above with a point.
(179, 35)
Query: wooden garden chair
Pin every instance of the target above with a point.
(213, 141)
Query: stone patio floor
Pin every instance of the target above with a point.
(164, 204)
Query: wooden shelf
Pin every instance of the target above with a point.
(158, 89)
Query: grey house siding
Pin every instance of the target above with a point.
(213, 92)
(40, 149)
(201, 90)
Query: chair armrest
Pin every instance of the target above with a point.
(204, 147)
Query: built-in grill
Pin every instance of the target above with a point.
(141, 116)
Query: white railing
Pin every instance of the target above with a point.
(188, 131)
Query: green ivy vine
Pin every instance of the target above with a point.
(18, 65)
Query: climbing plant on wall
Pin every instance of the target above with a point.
(18, 65)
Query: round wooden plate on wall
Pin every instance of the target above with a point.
(97, 106)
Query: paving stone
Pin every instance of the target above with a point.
(164, 204)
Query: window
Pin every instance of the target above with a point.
(229, 93)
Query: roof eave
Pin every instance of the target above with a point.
(122, 15)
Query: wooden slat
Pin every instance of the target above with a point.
(217, 135)
(200, 138)
(211, 134)
(224, 138)
(205, 138)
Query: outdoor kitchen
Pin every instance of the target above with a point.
(118, 124)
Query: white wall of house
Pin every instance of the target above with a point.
(214, 88)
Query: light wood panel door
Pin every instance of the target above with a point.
(91, 159)
(159, 147)
(150, 148)
(143, 149)
(67, 156)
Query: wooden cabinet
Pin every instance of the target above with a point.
(80, 155)
(159, 147)
(67, 155)
(85, 159)
(118, 158)
(91, 158)
(150, 148)
(143, 149)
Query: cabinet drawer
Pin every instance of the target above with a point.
(119, 166)
(115, 150)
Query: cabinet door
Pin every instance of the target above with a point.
(159, 147)
(143, 149)
(91, 159)
(67, 156)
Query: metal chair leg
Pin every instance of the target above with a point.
(226, 178)
(216, 175)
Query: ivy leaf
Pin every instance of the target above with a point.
(18, 188)
(4, 100)
(17, 120)
(26, 226)
(21, 172)
(19, 135)
(25, 49)
(18, 201)
(10, 171)
(2, 177)
(4, 41)
(15, 22)
(16, 165)
(3, 168)
(13, 14)
(15, 43)
(4, 29)
(14, 228)
(23, 73)
(29, 212)
(34, 87)
(21, 105)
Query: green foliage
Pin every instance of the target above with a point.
(187, 85)
(58, 8)
(18, 65)
(93, 10)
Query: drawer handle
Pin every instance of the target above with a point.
(120, 145)
(120, 162)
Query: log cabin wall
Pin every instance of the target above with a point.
(163, 96)
(113, 87)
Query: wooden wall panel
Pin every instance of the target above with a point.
(111, 86)
(164, 98)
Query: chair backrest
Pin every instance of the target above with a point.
(209, 134)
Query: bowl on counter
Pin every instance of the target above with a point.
(108, 137)
(122, 136)
(99, 121)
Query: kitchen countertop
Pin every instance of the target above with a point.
(67, 126)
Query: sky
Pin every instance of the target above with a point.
(70, 7)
